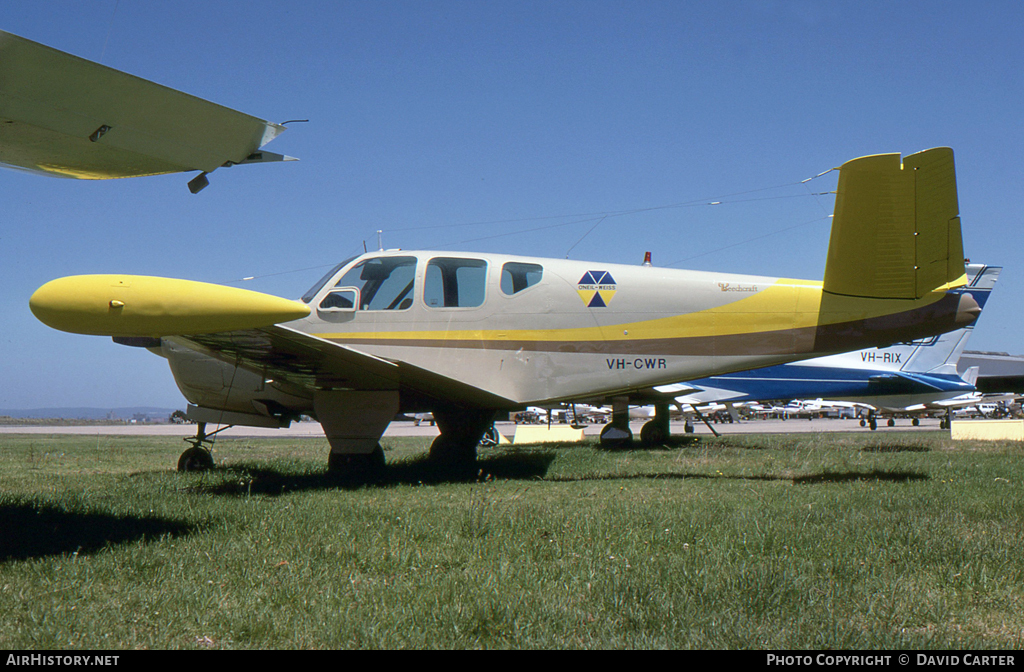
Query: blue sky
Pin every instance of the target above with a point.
(503, 126)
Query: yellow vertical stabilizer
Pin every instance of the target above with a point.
(896, 228)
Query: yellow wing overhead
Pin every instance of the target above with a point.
(70, 117)
(896, 229)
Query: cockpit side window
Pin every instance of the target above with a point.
(384, 283)
(516, 276)
(455, 283)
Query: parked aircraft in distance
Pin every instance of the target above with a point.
(466, 335)
(64, 116)
(898, 379)
(984, 403)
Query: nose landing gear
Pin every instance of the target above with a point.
(199, 457)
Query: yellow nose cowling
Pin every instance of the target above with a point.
(137, 305)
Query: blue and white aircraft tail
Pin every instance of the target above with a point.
(886, 379)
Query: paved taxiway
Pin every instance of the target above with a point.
(398, 428)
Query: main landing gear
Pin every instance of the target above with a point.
(617, 434)
(461, 430)
(656, 432)
(871, 421)
(365, 466)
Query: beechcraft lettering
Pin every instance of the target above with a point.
(883, 357)
(637, 363)
(729, 287)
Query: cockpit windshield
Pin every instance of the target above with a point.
(315, 289)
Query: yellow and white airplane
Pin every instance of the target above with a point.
(461, 335)
(467, 335)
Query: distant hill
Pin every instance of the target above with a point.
(85, 413)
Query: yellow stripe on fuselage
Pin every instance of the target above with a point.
(787, 304)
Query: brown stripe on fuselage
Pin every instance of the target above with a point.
(850, 335)
(921, 322)
(765, 343)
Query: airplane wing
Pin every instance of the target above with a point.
(239, 327)
(65, 116)
(281, 353)
(972, 400)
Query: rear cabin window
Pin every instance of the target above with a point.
(455, 283)
(515, 277)
(384, 283)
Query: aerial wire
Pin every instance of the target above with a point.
(750, 240)
(227, 398)
(697, 202)
(777, 231)
(589, 231)
(110, 29)
(600, 216)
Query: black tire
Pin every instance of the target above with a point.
(613, 436)
(195, 459)
(454, 457)
(362, 466)
(653, 434)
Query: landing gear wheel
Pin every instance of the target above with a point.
(653, 434)
(195, 458)
(454, 456)
(357, 466)
(863, 422)
(199, 457)
(614, 436)
(891, 423)
(915, 422)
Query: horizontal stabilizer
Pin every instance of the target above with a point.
(896, 228)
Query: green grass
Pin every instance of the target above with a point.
(771, 541)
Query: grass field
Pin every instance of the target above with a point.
(754, 541)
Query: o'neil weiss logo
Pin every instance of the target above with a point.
(596, 288)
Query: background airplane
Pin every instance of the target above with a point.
(65, 116)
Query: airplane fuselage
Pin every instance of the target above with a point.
(530, 331)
